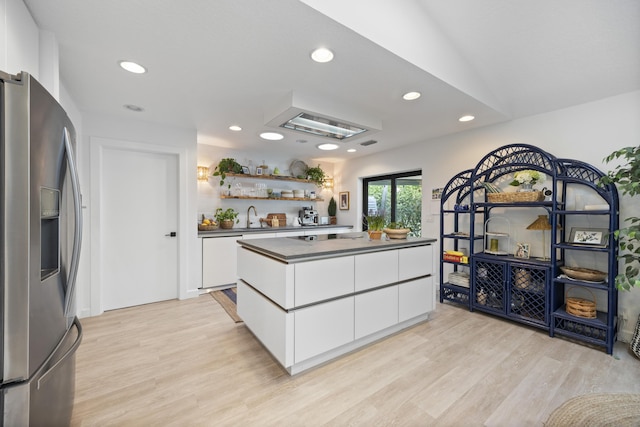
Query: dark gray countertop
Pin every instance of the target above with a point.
(294, 249)
(238, 231)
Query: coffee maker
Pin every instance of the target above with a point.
(308, 216)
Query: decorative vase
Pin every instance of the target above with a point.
(333, 220)
(226, 223)
(525, 187)
(375, 234)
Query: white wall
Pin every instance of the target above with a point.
(586, 132)
(19, 39)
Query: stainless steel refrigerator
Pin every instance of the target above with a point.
(40, 234)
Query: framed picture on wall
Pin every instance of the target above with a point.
(344, 200)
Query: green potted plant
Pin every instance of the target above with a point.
(627, 178)
(316, 175)
(396, 230)
(375, 224)
(331, 210)
(227, 165)
(226, 218)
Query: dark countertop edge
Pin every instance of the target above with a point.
(224, 232)
(423, 241)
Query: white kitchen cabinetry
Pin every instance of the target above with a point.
(324, 279)
(375, 311)
(219, 265)
(322, 327)
(312, 310)
(376, 269)
(415, 297)
(219, 254)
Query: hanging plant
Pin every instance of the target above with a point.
(316, 175)
(228, 165)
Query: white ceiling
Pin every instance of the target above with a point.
(217, 63)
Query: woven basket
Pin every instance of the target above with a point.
(207, 227)
(580, 307)
(515, 197)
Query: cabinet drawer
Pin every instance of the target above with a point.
(322, 327)
(415, 298)
(376, 310)
(323, 279)
(376, 269)
(415, 262)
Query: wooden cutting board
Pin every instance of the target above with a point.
(282, 219)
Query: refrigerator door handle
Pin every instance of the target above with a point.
(77, 234)
(72, 349)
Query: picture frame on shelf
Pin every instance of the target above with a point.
(522, 250)
(258, 171)
(344, 200)
(595, 237)
(245, 170)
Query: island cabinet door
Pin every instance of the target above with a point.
(322, 280)
(416, 297)
(376, 269)
(415, 262)
(219, 261)
(322, 327)
(272, 278)
(376, 310)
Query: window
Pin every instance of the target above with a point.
(397, 197)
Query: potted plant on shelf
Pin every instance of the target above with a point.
(316, 175)
(331, 210)
(527, 179)
(375, 224)
(396, 230)
(226, 218)
(228, 165)
(626, 177)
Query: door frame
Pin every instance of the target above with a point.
(98, 146)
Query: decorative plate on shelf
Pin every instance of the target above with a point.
(585, 274)
(298, 169)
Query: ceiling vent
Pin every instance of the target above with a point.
(318, 117)
(369, 142)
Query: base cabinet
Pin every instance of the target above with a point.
(322, 327)
(512, 288)
(309, 312)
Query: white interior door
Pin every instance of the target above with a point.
(138, 209)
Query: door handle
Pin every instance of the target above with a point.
(172, 234)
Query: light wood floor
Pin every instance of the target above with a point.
(185, 363)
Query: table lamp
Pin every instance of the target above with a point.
(542, 224)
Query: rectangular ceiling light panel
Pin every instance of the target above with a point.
(321, 126)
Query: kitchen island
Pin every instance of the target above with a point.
(311, 300)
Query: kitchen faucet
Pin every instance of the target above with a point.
(255, 212)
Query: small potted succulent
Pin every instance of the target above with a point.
(331, 210)
(226, 218)
(375, 224)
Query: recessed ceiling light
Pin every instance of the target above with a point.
(271, 136)
(327, 146)
(322, 55)
(466, 118)
(132, 67)
(410, 96)
(351, 150)
(134, 108)
(235, 128)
